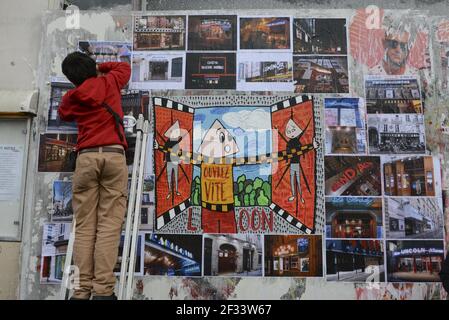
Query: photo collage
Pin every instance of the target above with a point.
(240, 53)
(383, 213)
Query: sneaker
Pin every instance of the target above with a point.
(291, 198)
(177, 193)
(168, 196)
(111, 297)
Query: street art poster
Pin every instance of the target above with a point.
(212, 32)
(172, 255)
(293, 256)
(55, 239)
(414, 260)
(396, 45)
(57, 91)
(106, 51)
(238, 169)
(265, 72)
(320, 74)
(211, 71)
(354, 217)
(352, 176)
(265, 33)
(238, 255)
(161, 70)
(345, 126)
(62, 201)
(355, 260)
(159, 32)
(319, 36)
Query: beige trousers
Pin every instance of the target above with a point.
(100, 184)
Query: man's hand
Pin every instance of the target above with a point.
(315, 144)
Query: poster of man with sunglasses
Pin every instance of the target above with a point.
(397, 44)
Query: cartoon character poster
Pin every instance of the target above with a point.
(235, 169)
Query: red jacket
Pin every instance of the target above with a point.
(96, 126)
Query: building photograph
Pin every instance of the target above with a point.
(396, 133)
(414, 218)
(159, 32)
(58, 89)
(320, 74)
(212, 33)
(138, 264)
(233, 255)
(55, 240)
(172, 254)
(293, 256)
(54, 149)
(398, 95)
(265, 33)
(319, 36)
(157, 71)
(344, 120)
(352, 176)
(411, 176)
(211, 71)
(355, 260)
(265, 72)
(354, 217)
(62, 201)
(106, 51)
(414, 260)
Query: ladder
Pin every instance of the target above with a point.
(131, 224)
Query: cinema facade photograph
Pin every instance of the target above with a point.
(172, 254)
(354, 217)
(396, 133)
(293, 256)
(414, 260)
(265, 33)
(352, 176)
(212, 33)
(265, 71)
(393, 95)
(411, 176)
(158, 71)
(54, 149)
(319, 36)
(55, 239)
(211, 71)
(58, 89)
(345, 126)
(233, 255)
(355, 260)
(321, 74)
(414, 218)
(159, 32)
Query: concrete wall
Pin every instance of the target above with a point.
(21, 28)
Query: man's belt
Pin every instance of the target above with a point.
(102, 149)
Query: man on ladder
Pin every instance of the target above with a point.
(100, 180)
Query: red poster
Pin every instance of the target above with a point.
(293, 181)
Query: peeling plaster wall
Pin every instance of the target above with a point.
(108, 25)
